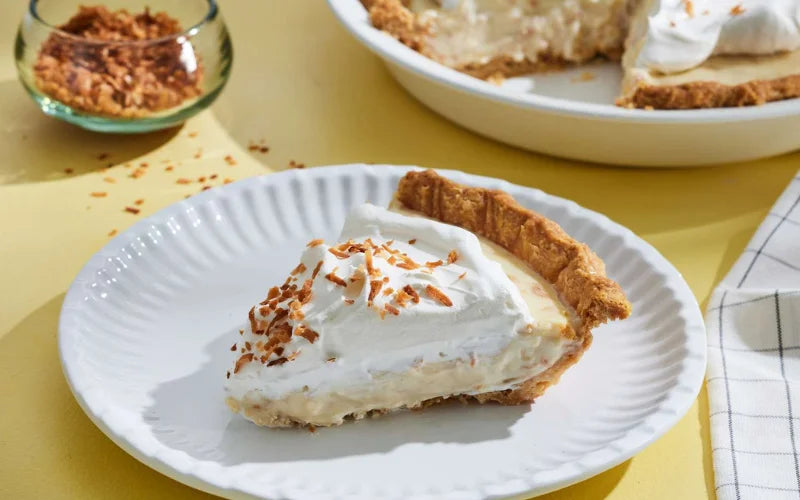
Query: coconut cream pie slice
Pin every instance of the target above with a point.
(455, 292)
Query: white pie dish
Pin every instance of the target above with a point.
(145, 328)
(564, 116)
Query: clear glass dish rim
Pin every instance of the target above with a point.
(208, 18)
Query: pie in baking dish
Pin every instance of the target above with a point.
(676, 54)
(455, 292)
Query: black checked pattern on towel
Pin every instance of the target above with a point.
(753, 378)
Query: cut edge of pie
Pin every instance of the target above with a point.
(576, 273)
(708, 86)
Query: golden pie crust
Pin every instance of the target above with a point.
(576, 273)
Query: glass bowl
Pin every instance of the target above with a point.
(123, 86)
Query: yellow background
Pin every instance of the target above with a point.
(315, 96)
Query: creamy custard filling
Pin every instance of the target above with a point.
(473, 32)
(405, 309)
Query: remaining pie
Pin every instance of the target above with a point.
(676, 54)
(455, 292)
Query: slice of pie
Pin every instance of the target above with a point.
(454, 293)
(676, 54)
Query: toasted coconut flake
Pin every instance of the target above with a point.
(243, 360)
(388, 291)
(331, 276)
(301, 268)
(401, 297)
(293, 355)
(304, 296)
(412, 293)
(274, 292)
(264, 310)
(438, 295)
(407, 265)
(452, 256)
(392, 309)
(314, 243)
(248, 346)
(338, 253)
(233, 347)
(280, 313)
(462, 275)
(433, 264)
(316, 270)
(374, 288)
(368, 262)
(349, 302)
(252, 316)
(278, 361)
(412, 241)
(306, 333)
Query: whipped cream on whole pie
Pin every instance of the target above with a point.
(402, 310)
(681, 35)
(455, 292)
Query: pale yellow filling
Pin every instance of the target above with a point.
(524, 357)
(476, 31)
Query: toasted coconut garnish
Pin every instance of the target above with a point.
(438, 295)
(306, 333)
(412, 241)
(388, 291)
(331, 276)
(452, 256)
(278, 361)
(412, 293)
(401, 297)
(349, 302)
(407, 265)
(371, 270)
(374, 288)
(314, 243)
(316, 270)
(462, 275)
(301, 268)
(391, 309)
(280, 313)
(243, 360)
(433, 264)
(340, 254)
(233, 347)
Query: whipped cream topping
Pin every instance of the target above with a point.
(466, 32)
(682, 34)
(399, 292)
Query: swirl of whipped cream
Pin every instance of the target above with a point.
(682, 34)
(361, 332)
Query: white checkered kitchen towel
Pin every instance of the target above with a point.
(753, 381)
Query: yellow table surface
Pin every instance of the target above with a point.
(315, 96)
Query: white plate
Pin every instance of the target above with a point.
(146, 326)
(577, 119)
